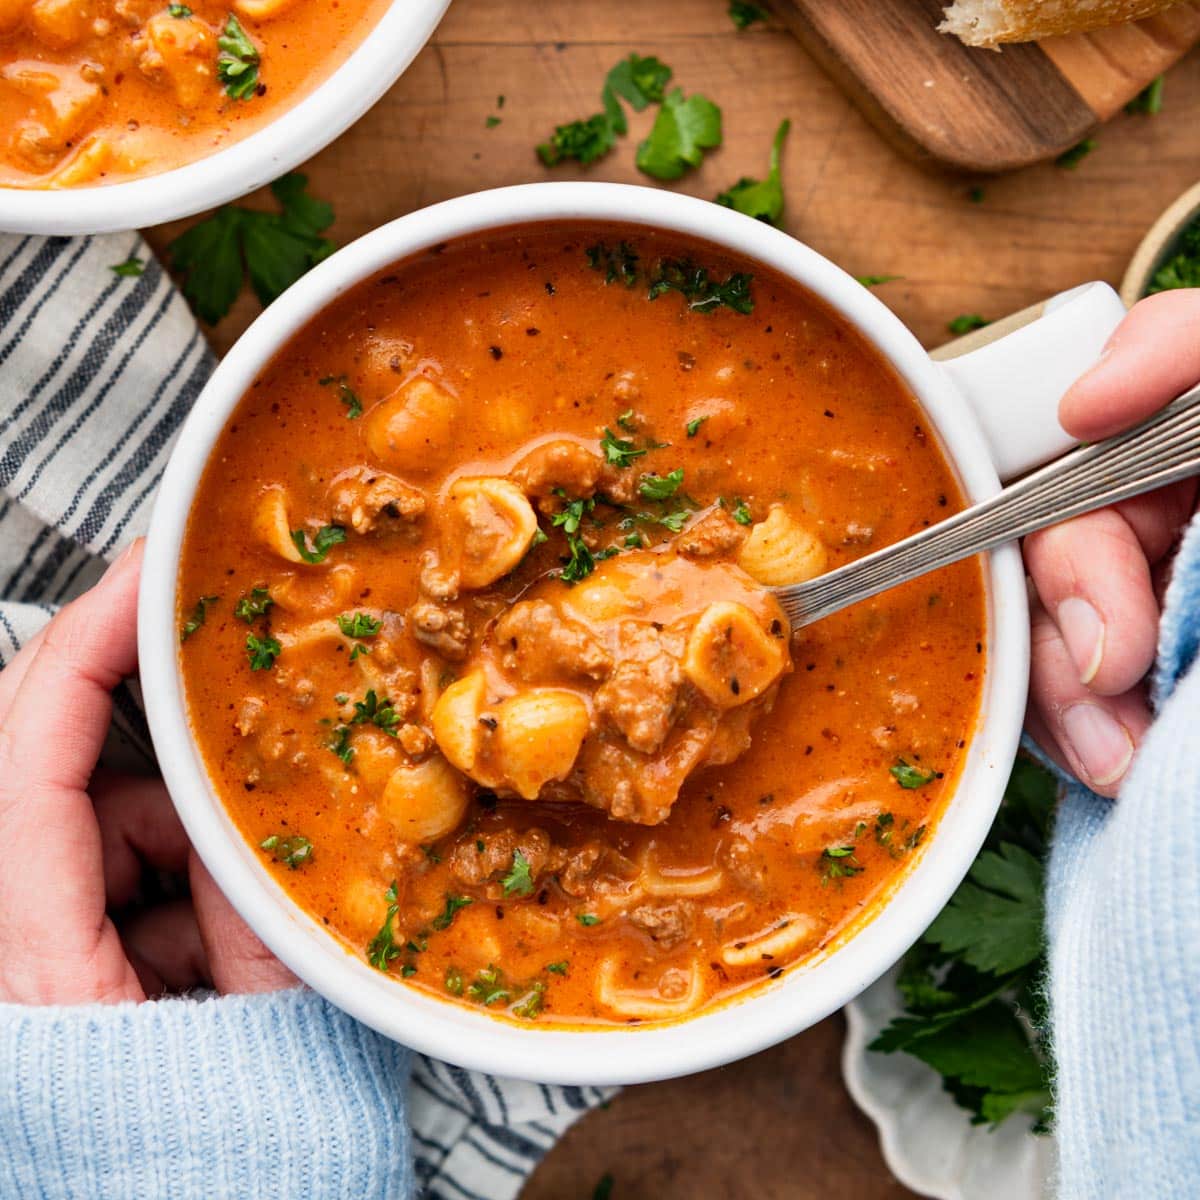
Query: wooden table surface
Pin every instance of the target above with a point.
(781, 1124)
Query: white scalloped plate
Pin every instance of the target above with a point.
(927, 1140)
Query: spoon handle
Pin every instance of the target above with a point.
(1161, 450)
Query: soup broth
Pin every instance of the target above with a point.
(478, 650)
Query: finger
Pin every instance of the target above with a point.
(50, 739)
(139, 828)
(1096, 735)
(237, 960)
(14, 673)
(1153, 356)
(1093, 579)
(1158, 518)
(163, 944)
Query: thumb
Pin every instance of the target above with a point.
(237, 961)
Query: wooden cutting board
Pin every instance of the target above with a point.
(976, 110)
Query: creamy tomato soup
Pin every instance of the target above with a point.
(95, 91)
(478, 642)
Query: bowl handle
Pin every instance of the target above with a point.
(1014, 373)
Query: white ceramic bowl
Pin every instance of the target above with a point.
(296, 134)
(1045, 356)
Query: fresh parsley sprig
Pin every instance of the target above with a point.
(761, 199)
(272, 249)
(972, 986)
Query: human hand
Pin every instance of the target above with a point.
(1097, 578)
(74, 839)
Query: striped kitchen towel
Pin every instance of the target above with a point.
(97, 371)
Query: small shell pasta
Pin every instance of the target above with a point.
(489, 527)
(261, 10)
(538, 735)
(783, 940)
(730, 658)
(647, 1004)
(455, 720)
(781, 550)
(413, 429)
(270, 524)
(425, 800)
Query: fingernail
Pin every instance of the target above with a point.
(1102, 745)
(1083, 631)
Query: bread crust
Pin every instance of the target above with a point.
(991, 22)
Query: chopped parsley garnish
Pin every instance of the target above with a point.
(488, 987)
(636, 79)
(346, 394)
(1182, 269)
(370, 710)
(683, 130)
(693, 426)
(838, 862)
(519, 880)
(237, 62)
(581, 562)
(973, 985)
(323, 541)
(445, 918)
(870, 281)
(339, 743)
(262, 652)
(359, 625)
(382, 948)
(131, 268)
(739, 510)
(884, 823)
(249, 608)
(966, 323)
(702, 293)
(743, 14)
(626, 421)
(557, 968)
(531, 1006)
(1070, 159)
(180, 11)
(273, 249)
(620, 452)
(761, 199)
(661, 487)
(454, 981)
(1149, 100)
(910, 777)
(293, 851)
(617, 262)
(197, 618)
(588, 919)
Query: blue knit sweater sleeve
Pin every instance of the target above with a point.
(1123, 906)
(274, 1095)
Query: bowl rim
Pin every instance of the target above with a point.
(1157, 244)
(771, 1012)
(296, 134)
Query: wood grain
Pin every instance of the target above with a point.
(780, 1124)
(941, 102)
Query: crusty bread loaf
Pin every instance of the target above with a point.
(988, 22)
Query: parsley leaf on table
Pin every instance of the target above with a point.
(744, 14)
(684, 128)
(966, 323)
(1149, 100)
(761, 199)
(637, 79)
(131, 268)
(1070, 159)
(272, 249)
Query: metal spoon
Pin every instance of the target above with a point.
(1161, 450)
